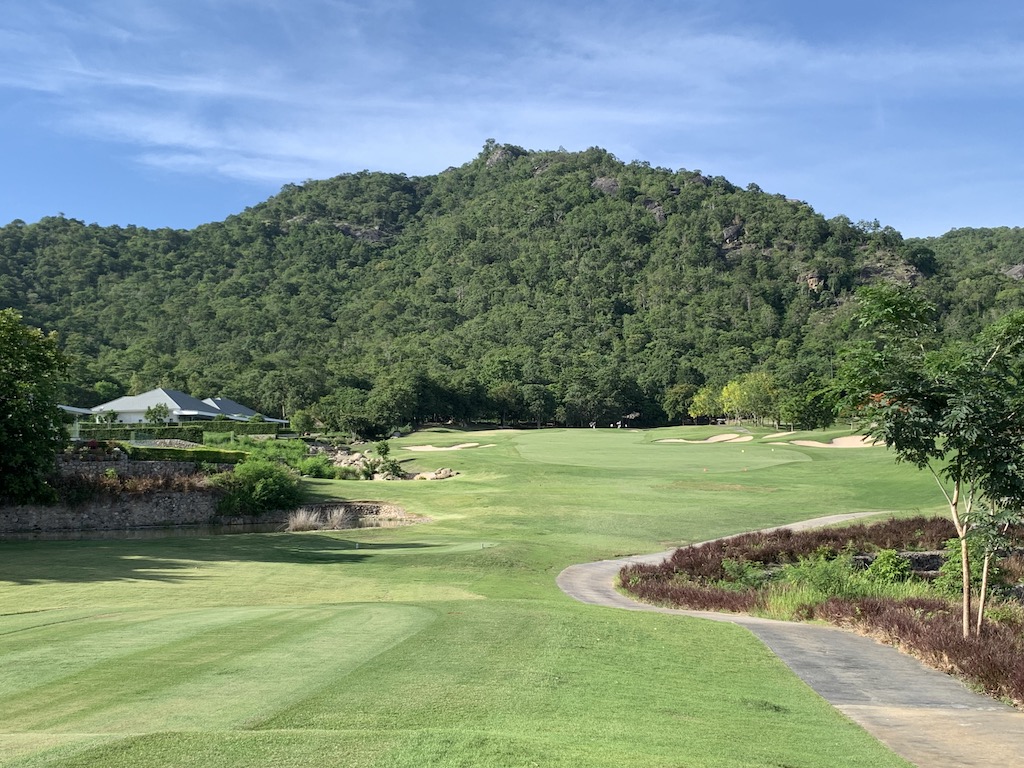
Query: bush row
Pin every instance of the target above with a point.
(704, 562)
(198, 455)
(815, 570)
(192, 431)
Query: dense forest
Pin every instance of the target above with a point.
(545, 286)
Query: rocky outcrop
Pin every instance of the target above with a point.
(656, 210)
(1016, 271)
(438, 474)
(732, 234)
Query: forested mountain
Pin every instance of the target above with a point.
(540, 285)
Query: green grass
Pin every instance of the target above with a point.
(442, 644)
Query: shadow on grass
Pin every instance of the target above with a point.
(173, 559)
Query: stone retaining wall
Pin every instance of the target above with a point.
(167, 509)
(126, 467)
(161, 508)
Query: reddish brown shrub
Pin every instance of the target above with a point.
(929, 628)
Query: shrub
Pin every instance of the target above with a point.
(346, 473)
(317, 466)
(255, 487)
(950, 579)
(391, 467)
(888, 568)
(835, 576)
(743, 574)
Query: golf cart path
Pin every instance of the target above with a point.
(925, 716)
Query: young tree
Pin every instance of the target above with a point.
(158, 414)
(31, 428)
(707, 401)
(955, 411)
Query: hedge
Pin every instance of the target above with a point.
(206, 455)
(191, 431)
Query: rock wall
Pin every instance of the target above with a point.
(126, 467)
(162, 508)
(169, 509)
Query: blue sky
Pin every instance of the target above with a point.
(178, 112)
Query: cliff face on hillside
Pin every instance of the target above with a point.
(522, 283)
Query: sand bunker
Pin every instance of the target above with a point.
(728, 437)
(853, 441)
(458, 447)
(777, 435)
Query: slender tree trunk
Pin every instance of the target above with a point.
(983, 595)
(965, 570)
(960, 522)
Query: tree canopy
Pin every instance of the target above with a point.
(953, 408)
(31, 428)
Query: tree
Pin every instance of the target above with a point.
(677, 399)
(302, 422)
(955, 411)
(106, 417)
(538, 402)
(707, 401)
(158, 414)
(31, 428)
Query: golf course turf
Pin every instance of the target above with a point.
(446, 643)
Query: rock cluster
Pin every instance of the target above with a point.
(363, 463)
(438, 474)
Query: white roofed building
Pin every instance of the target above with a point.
(181, 407)
(235, 410)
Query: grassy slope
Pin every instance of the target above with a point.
(444, 644)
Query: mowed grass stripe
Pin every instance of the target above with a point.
(234, 666)
(34, 656)
(614, 684)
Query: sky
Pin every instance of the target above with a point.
(173, 113)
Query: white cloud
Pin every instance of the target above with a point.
(283, 90)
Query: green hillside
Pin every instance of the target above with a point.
(535, 285)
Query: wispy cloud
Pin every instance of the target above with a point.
(278, 90)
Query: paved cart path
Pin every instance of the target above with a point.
(926, 717)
